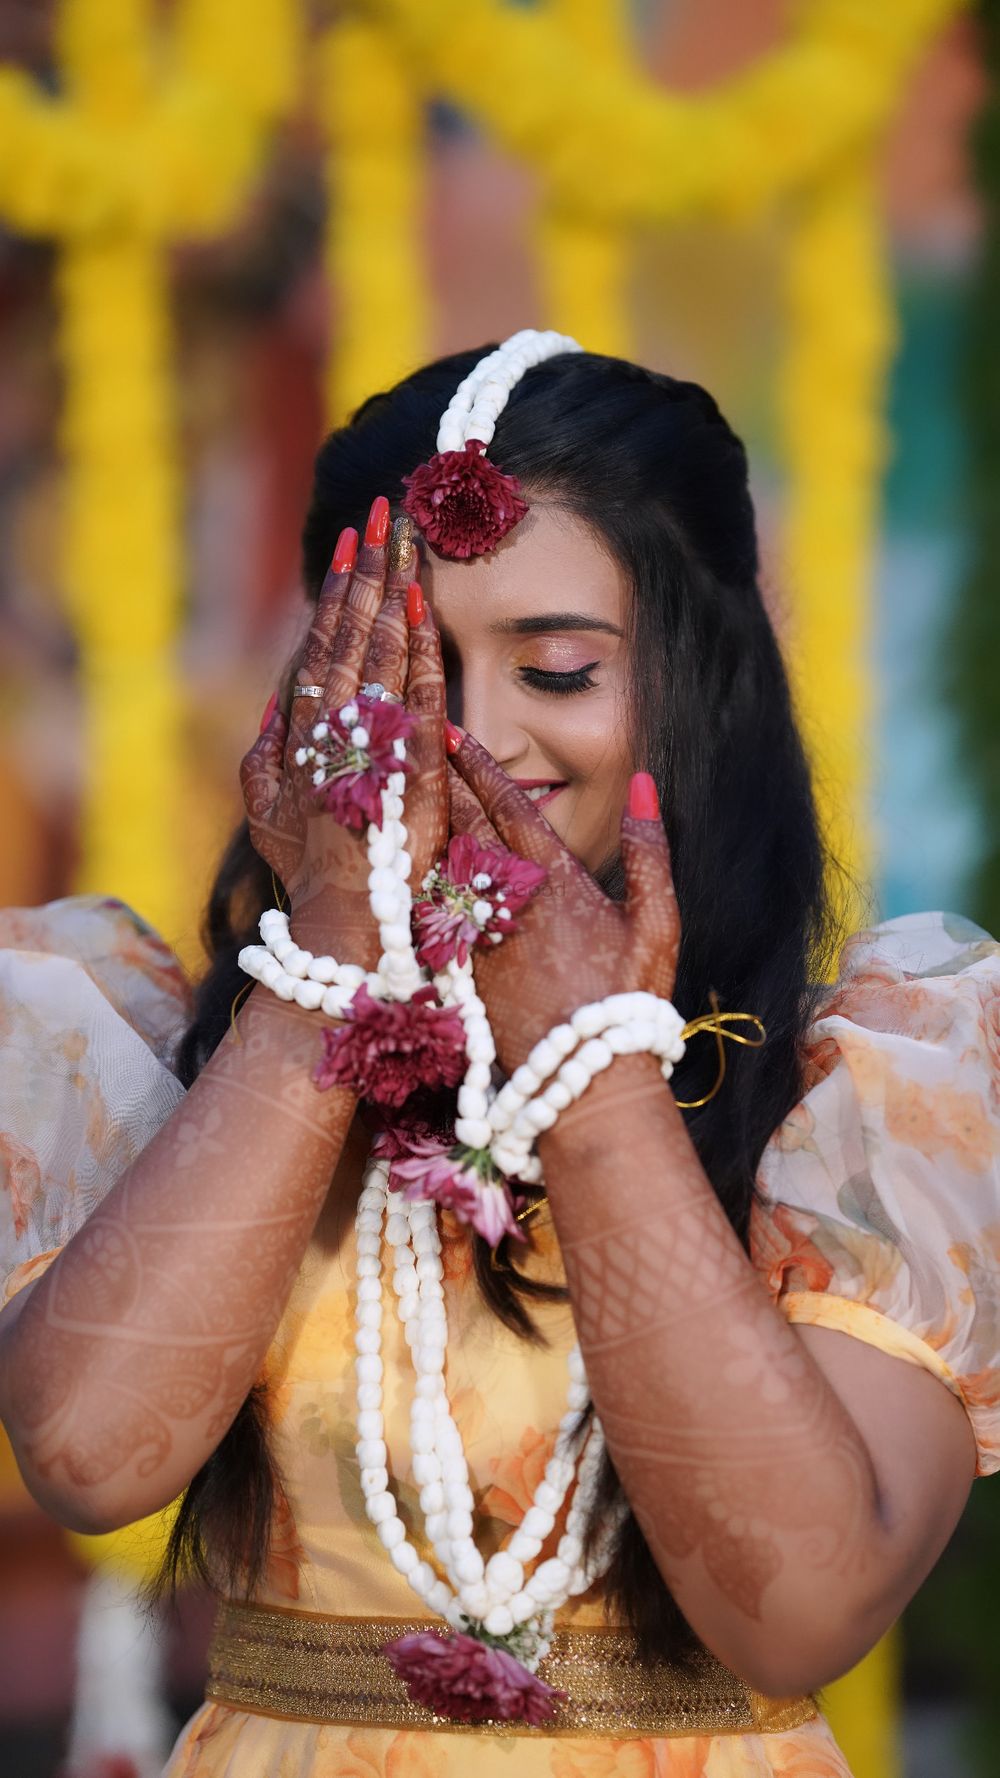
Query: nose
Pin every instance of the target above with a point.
(480, 703)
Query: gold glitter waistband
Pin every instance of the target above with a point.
(305, 1667)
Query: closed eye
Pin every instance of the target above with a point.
(580, 679)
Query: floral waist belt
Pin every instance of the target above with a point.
(306, 1667)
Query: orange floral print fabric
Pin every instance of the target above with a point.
(882, 1187)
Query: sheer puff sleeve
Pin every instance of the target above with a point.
(92, 1005)
(879, 1209)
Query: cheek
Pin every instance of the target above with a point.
(599, 745)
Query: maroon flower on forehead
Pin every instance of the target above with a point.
(462, 503)
(386, 1049)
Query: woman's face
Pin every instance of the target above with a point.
(535, 662)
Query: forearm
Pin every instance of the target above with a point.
(751, 1483)
(133, 1352)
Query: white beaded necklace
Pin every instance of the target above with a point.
(496, 1595)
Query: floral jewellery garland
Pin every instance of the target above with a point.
(417, 1021)
(460, 501)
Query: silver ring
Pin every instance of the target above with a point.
(377, 691)
(309, 691)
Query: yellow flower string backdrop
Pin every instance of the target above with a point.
(583, 258)
(372, 117)
(159, 136)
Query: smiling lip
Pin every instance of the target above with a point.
(534, 784)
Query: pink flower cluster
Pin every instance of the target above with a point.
(350, 773)
(459, 1677)
(471, 897)
(460, 1179)
(427, 1116)
(462, 502)
(387, 1049)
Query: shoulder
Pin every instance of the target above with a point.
(879, 1194)
(103, 942)
(915, 1011)
(92, 1005)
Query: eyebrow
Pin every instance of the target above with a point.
(552, 620)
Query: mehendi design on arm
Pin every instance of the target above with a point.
(136, 1349)
(736, 1456)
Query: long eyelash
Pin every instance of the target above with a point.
(580, 679)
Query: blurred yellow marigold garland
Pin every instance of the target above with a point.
(158, 135)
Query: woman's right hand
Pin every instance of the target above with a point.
(360, 633)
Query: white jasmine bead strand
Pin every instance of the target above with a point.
(303, 966)
(450, 1526)
(457, 988)
(380, 1504)
(390, 896)
(257, 961)
(482, 396)
(496, 1595)
(621, 1024)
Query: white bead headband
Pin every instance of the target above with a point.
(460, 501)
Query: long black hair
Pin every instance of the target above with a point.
(650, 465)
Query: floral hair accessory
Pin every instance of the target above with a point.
(354, 752)
(386, 1049)
(461, 1179)
(460, 501)
(470, 1680)
(470, 898)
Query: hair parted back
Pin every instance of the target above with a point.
(651, 466)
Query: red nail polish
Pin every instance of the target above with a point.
(453, 737)
(643, 802)
(269, 709)
(346, 551)
(414, 604)
(377, 528)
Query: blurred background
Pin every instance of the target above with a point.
(221, 226)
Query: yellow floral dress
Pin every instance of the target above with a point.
(879, 1215)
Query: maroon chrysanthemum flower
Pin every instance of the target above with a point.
(389, 1048)
(469, 1681)
(350, 774)
(470, 876)
(462, 503)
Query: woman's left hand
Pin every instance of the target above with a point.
(571, 944)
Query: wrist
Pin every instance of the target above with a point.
(316, 929)
(603, 1114)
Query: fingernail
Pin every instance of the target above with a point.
(414, 604)
(453, 737)
(269, 709)
(643, 801)
(400, 544)
(377, 528)
(346, 551)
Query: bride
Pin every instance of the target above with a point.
(530, 1364)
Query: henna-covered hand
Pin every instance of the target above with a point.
(572, 943)
(359, 634)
